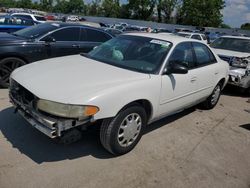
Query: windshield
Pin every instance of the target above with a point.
(233, 44)
(135, 53)
(40, 18)
(184, 35)
(36, 30)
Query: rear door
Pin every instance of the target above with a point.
(91, 38)
(206, 70)
(66, 42)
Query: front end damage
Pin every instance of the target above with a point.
(240, 72)
(54, 127)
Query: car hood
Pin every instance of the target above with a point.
(9, 38)
(72, 78)
(230, 53)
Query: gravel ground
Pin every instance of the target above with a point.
(194, 148)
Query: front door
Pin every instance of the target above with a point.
(178, 89)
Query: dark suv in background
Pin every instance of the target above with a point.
(44, 41)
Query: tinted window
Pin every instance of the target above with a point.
(40, 18)
(204, 37)
(202, 53)
(234, 44)
(96, 36)
(37, 30)
(183, 54)
(67, 34)
(23, 16)
(197, 37)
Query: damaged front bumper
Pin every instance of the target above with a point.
(238, 77)
(239, 72)
(50, 126)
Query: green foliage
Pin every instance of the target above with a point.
(223, 25)
(141, 9)
(202, 13)
(245, 26)
(111, 8)
(167, 7)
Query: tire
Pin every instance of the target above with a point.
(7, 65)
(115, 135)
(213, 99)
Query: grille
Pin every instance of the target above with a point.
(21, 94)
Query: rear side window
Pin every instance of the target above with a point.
(40, 18)
(203, 55)
(67, 34)
(183, 54)
(204, 37)
(23, 16)
(93, 35)
(197, 37)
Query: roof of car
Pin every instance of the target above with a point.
(235, 37)
(163, 36)
(24, 13)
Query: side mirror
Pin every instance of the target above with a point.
(49, 39)
(177, 68)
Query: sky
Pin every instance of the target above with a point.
(236, 12)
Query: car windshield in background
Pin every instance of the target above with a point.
(183, 35)
(135, 53)
(233, 44)
(40, 18)
(36, 31)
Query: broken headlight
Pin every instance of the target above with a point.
(66, 110)
(240, 62)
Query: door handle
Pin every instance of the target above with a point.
(193, 79)
(75, 45)
(216, 73)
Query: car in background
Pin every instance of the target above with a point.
(73, 18)
(236, 51)
(124, 84)
(34, 17)
(50, 17)
(114, 32)
(14, 23)
(161, 30)
(44, 41)
(196, 36)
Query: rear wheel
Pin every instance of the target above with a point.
(213, 99)
(120, 134)
(7, 65)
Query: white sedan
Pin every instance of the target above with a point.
(196, 36)
(236, 51)
(123, 84)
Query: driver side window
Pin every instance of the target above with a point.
(183, 54)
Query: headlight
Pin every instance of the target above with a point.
(66, 110)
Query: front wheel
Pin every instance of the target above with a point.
(7, 65)
(120, 134)
(213, 99)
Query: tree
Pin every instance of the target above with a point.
(8, 3)
(223, 25)
(46, 5)
(142, 9)
(111, 8)
(202, 13)
(75, 6)
(167, 7)
(94, 8)
(24, 4)
(245, 26)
